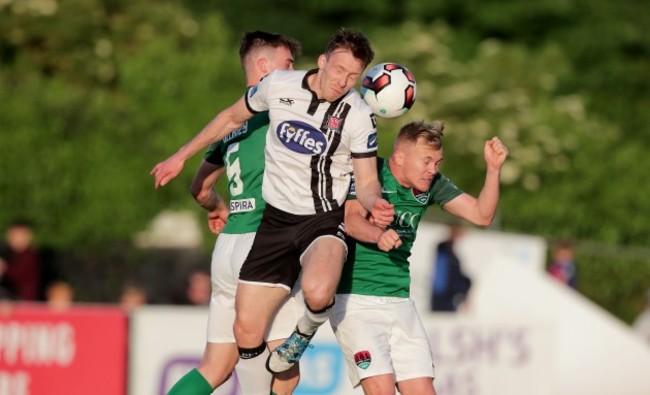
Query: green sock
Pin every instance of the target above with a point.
(193, 383)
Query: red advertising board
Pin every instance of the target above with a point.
(80, 350)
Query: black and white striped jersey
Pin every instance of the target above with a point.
(310, 142)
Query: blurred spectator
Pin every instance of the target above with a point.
(59, 295)
(198, 288)
(450, 285)
(642, 322)
(50, 273)
(133, 296)
(563, 267)
(20, 266)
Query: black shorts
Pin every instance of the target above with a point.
(274, 258)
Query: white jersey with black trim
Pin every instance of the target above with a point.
(310, 142)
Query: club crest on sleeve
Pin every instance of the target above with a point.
(372, 140)
(363, 359)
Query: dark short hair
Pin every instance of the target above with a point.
(430, 132)
(354, 41)
(260, 39)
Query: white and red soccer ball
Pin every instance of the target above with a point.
(389, 89)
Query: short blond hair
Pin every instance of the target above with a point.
(431, 133)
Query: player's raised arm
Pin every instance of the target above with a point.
(225, 122)
(369, 191)
(481, 210)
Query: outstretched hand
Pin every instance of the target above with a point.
(495, 153)
(382, 212)
(167, 170)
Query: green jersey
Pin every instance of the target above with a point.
(371, 271)
(242, 153)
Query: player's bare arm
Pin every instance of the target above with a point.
(480, 211)
(369, 191)
(358, 226)
(202, 190)
(225, 122)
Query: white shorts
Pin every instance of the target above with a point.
(229, 254)
(381, 335)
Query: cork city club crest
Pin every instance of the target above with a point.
(362, 359)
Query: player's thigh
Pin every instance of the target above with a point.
(321, 263)
(418, 386)
(410, 347)
(274, 259)
(256, 305)
(227, 258)
(383, 384)
(363, 333)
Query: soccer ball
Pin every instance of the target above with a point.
(389, 89)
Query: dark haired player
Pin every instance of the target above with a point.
(241, 157)
(320, 132)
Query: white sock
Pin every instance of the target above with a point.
(312, 320)
(253, 377)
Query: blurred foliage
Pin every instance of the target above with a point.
(94, 92)
(86, 111)
(614, 277)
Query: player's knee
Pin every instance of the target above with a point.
(245, 333)
(319, 308)
(318, 300)
(318, 294)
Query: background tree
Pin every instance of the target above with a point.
(93, 93)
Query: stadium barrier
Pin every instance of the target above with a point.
(77, 351)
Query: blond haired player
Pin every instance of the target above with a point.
(375, 322)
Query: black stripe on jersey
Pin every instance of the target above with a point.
(363, 155)
(321, 166)
(315, 101)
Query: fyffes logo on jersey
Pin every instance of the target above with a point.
(301, 138)
(363, 359)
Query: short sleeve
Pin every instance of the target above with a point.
(443, 190)
(363, 142)
(257, 95)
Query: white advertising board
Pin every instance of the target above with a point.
(166, 342)
(472, 357)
